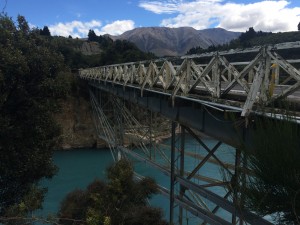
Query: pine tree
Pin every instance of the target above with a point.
(92, 36)
(45, 31)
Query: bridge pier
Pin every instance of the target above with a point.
(172, 169)
(181, 170)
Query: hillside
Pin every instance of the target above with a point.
(253, 38)
(163, 41)
(97, 51)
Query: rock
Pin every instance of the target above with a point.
(78, 130)
(90, 48)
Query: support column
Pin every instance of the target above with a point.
(182, 189)
(243, 184)
(150, 136)
(236, 184)
(172, 180)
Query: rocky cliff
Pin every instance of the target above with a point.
(90, 48)
(78, 130)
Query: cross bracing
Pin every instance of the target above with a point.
(194, 96)
(189, 188)
(262, 81)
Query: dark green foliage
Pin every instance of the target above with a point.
(118, 51)
(195, 50)
(32, 78)
(70, 49)
(248, 35)
(111, 51)
(144, 215)
(123, 51)
(45, 31)
(92, 36)
(31, 201)
(251, 38)
(72, 206)
(104, 41)
(121, 200)
(274, 159)
(299, 26)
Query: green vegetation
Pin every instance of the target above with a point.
(35, 73)
(111, 52)
(121, 200)
(73, 57)
(45, 31)
(251, 38)
(274, 187)
(33, 77)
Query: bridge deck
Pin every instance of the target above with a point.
(264, 80)
(208, 93)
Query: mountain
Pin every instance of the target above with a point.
(163, 41)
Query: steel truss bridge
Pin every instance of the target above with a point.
(192, 97)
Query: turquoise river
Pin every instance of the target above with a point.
(78, 168)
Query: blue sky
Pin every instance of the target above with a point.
(76, 17)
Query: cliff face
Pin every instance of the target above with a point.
(76, 121)
(90, 48)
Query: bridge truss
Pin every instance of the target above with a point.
(196, 98)
(189, 187)
(267, 78)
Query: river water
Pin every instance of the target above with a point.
(78, 168)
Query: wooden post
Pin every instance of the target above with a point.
(216, 79)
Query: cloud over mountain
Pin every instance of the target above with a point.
(271, 15)
(80, 29)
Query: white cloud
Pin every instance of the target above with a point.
(117, 27)
(266, 15)
(32, 26)
(80, 29)
(75, 28)
(160, 7)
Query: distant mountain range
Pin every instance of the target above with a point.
(163, 41)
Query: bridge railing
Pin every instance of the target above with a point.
(266, 78)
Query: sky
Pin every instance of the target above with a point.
(77, 17)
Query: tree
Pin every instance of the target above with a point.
(45, 31)
(299, 26)
(247, 36)
(92, 36)
(120, 201)
(32, 78)
(274, 189)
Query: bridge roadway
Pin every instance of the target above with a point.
(206, 96)
(219, 98)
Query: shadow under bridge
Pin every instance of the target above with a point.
(189, 102)
(194, 167)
